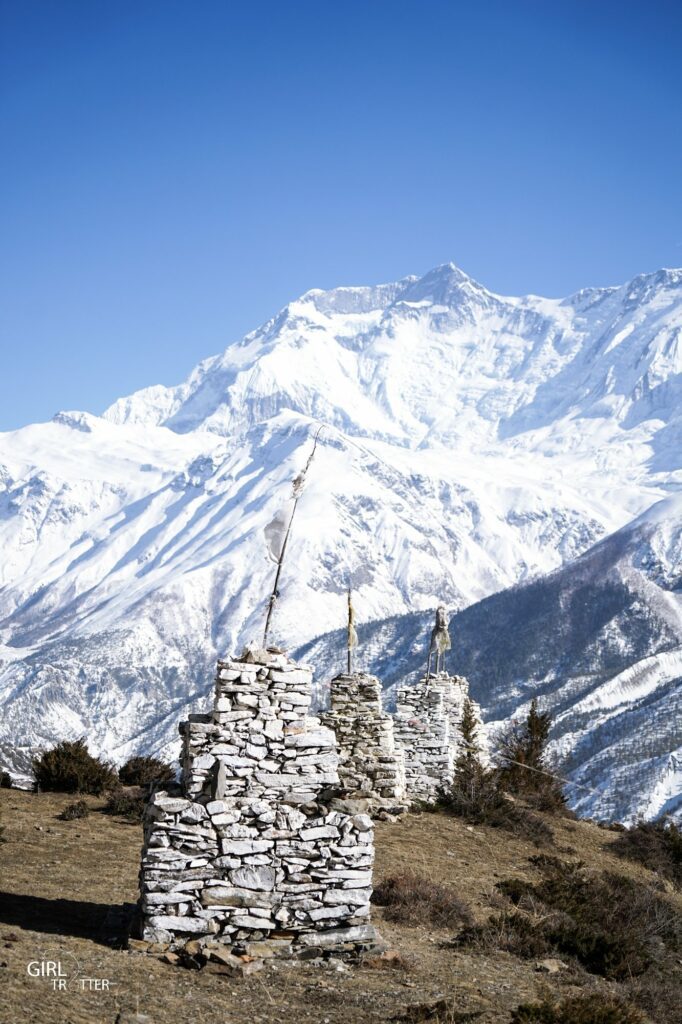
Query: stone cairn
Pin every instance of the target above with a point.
(248, 858)
(426, 728)
(391, 761)
(371, 770)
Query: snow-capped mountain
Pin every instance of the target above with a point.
(599, 642)
(470, 441)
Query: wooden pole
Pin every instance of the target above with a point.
(298, 490)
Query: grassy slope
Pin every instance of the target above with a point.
(63, 887)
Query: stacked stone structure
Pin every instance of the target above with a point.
(426, 729)
(247, 855)
(370, 767)
(389, 761)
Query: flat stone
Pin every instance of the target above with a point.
(335, 936)
(319, 832)
(317, 738)
(255, 923)
(268, 947)
(172, 805)
(178, 923)
(254, 877)
(154, 898)
(223, 956)
(225, 818)
(203, 762)
(231, 896)
(362, 822)
(216, 806)
(550, 966)
(329, 913)
(238, 847)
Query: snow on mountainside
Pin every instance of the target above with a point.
(598, 641)
(470, 441)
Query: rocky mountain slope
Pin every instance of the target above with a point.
(470, 442)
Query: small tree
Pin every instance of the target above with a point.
(5, 780)
(470, 751)
(474, 790)
(476, 795)
(524, 767)
(71, 768)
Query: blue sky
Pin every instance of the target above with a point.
(173, 173)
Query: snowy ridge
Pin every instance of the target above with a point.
(470, 442)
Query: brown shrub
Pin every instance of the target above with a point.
(79, 809)
(478, 798)
(412, 899)
(141, 771)
(656, 845)
(659, 993)
(612, 925)
(440, 1011)
(511, 931)
(593, 1008)
(126, 803)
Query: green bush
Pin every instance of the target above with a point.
(593, 1008)
(410, 898)
(71, 768)
(141, 771)
(655, 844)
(126, 803)
(79, 809)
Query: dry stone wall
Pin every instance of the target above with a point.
(388, 760)
(370, 767)
(247, 854)
(426, 728)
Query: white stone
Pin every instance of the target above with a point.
(258, 878)
(178, 923)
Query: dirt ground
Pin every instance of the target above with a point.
(67, 890)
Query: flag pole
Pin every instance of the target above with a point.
(297, 492)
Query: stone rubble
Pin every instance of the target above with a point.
(246, 855)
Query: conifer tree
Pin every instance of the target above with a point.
(524, 767)
(470, 750)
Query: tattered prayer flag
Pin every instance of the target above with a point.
(275, 533)
(352, 634)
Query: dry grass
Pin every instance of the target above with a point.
(68, 888)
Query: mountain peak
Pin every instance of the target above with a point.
(445, 285)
